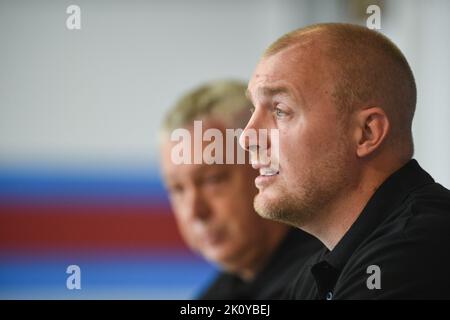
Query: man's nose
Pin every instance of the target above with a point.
(198, 207)
(255, 134)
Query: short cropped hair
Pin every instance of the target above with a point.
(367, 67)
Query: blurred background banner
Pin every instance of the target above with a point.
(80, 112)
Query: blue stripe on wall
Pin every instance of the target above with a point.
(26, 277)
(40, 184)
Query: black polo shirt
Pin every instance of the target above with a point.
(271, 283)
(398, 248)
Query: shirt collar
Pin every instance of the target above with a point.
(392, 192)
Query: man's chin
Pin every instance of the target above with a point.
(277, 209)
(267, 206)
(216, 252)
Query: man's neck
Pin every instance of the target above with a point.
(334, 220)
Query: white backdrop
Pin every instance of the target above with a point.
(95, 97)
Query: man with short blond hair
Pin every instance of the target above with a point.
(343, 98)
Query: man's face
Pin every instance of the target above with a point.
(292, 92)
(213, 206)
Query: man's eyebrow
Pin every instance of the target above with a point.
(272, 91)
(269, 91)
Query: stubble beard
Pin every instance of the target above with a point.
(308, 199)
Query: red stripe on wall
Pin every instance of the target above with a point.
(31, 227)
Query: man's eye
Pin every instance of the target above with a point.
(213, 179)
(216, 178)
(174, 190)
(279, 113)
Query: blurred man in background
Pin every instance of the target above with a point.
(344, 99)
(213, 205)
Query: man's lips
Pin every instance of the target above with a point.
(212, 237)
(267, 172)
(266, 176)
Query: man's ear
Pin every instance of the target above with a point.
(372, 128)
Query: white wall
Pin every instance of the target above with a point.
(95, 97)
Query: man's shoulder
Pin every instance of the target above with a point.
(410, 250)
(405, 269)
(424, 215)
(425, 210)
(432, 200)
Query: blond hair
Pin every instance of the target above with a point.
(222, 100)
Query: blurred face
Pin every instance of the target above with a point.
(213, 206)
(291, 91)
